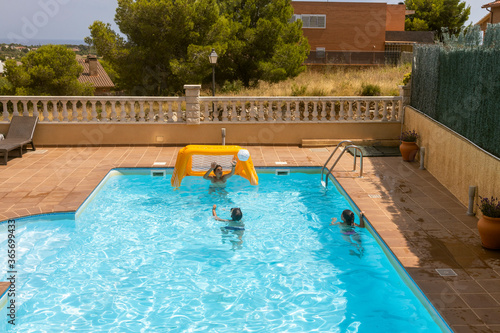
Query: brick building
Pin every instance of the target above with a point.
(359, 33)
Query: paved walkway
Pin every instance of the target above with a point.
(423, 224)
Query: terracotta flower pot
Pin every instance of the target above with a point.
(489, 230)
(408, 150)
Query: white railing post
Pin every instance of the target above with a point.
(192, 104)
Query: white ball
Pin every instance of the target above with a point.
(243, 155)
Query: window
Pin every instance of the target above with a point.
(320, 52)
(311, 21)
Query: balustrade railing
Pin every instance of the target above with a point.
(95, 109)
(237, 109)
(300, 109)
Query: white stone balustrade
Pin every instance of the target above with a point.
(194, 109)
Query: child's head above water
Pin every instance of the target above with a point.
(348, 216)
(236, 214)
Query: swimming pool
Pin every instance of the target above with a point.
(141, 256)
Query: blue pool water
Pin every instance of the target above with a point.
(143, 257)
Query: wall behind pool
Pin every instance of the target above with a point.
(86, 134)
(453, 160)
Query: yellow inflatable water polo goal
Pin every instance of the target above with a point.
(195, 160)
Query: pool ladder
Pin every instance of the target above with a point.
(351, 145)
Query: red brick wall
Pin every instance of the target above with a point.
(350, 26)
(395, 18)
(496, 14)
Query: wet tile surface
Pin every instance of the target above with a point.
(424, 225)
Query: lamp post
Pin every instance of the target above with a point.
(213, 60)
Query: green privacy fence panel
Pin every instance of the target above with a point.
(458, 84)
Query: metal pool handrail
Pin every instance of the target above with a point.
(356, 149)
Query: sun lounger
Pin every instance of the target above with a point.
(20, 134)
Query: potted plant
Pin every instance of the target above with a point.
(408, 147)
(489, 224)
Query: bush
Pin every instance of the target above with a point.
(298, 90)
(370, 90)
(406, 78)
(232, 86)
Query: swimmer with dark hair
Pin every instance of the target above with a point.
(234, 224)
(347, 227)
(219, 180)
(236, 215)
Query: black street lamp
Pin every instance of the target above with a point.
(213, 60)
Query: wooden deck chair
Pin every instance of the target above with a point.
(20, 134)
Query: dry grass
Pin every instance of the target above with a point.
(330, 81)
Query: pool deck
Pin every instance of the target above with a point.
(425, 226)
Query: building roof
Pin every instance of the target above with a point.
(492, 4)
(101, 80)
(485, 19)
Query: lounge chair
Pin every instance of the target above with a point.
(20, 134)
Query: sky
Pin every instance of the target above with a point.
(23, 20)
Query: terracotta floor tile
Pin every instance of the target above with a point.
(489, 316)
(461, 316)
(480, 301)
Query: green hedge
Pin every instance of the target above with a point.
(458, 84)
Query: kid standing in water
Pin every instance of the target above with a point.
(347, 227)
(235, 225)
(218, 180)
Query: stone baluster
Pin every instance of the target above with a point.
(170, 113)
(377, 110)
(142, 114)
(65, 111)
(15, 112)
(279, 111)
(93, 114)
(288, 113)
(315, 114)
(74, 118)
(26, 113)
(123, 113)
(132, 111)
(85, 114)
(113, 111)
(55, 112)
(234, 114)
(261, 111)
(251, 111)
(296, 112)
(104, 112)
(358, 110)
(225, 112)
(161, 115)
(45, 111)
(342, 112)
(350, 112)
(36, 113)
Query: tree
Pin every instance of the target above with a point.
(434, 15)
(49, 70)
(167, 43)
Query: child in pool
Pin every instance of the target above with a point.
(234, 225)
(218, 180)
(347, 227)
